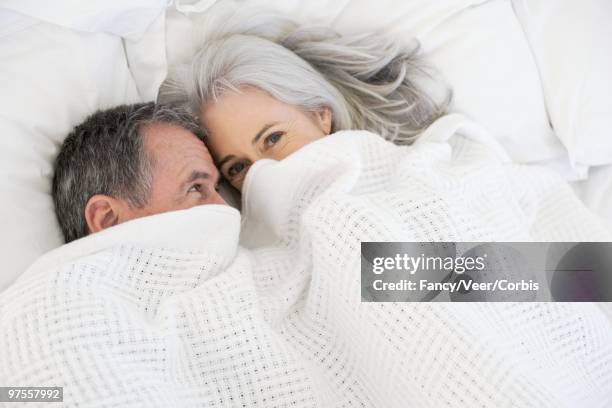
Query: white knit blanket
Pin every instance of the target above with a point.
(169, 311)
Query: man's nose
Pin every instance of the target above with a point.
(216, 198)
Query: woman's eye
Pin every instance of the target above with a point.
(272, 139)
(235, 169)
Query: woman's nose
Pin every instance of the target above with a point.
(253, 156)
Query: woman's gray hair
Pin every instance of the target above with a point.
(367, 81)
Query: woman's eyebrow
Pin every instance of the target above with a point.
(261, 132)
(225, 160)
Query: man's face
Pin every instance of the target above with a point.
(183, 173)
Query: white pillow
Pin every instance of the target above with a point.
(480, 49)
(128, 19)
(51, 79)
(146, 58)
(572, 44)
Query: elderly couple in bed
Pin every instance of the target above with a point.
(331, 142)
(257, 94)
(243, 98)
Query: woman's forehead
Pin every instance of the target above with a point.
(244, 112)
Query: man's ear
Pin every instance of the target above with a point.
(324, 119)
(101, 212)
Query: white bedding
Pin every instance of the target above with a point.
(170, 311)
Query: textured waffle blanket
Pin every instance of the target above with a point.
(181, 310)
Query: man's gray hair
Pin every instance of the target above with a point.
(367, 81)
(105, 154)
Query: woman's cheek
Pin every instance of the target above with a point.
(237, 184)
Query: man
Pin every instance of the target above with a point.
(129, 162)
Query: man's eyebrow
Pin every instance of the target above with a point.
(196, 175)
(261, 132)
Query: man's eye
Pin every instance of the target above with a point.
(272, 139)
(196, 188)
(235, 169)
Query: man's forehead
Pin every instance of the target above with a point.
(163, 131)
(178, 154)
(161, 138)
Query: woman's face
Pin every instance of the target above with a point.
(251, 125)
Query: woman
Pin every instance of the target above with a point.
(263, 88)
(269, 89)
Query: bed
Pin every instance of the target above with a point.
(506, 62)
